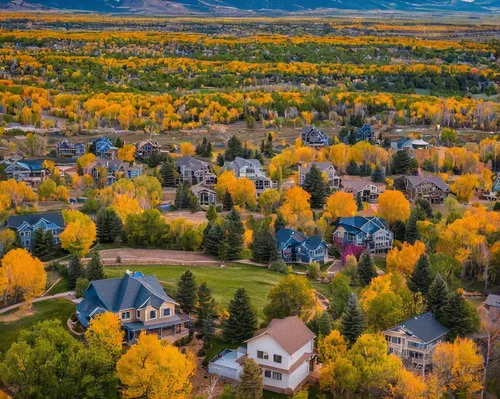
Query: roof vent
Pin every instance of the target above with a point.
(128, 272)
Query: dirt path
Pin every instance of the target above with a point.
(137, 256)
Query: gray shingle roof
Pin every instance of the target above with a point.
(191, 163)
(437, 180)
(55, 217)
(424, 327)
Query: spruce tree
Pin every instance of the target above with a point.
(437, 297)
(206, 306)
(378, 175)
(425, 206)
(359, 202)
(211, 213)
(39, 250)
(182, 196)
(250, 385)
(264, 245)
(48, 239)
(234, 149)
(109, 225)
(353, 321)
(352, 168)
(365, 169)
(193, 202)
(187, 292)
(325, 324)
(75, 271)
(399, 230)
(366, 268)
(459, 316)
(208, 328)
(220, 159)
(95, 268)
(411, 233)
(421, 277)
(242, 320)
(167, 174)
(118, 143)
(315, 184)
(214, 238)
(227, 203)
(234, 232)
(280, 222)
(401, 163)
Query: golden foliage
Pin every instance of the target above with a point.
(79, 234)
(393, 206)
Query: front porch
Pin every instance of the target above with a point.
(172, 330)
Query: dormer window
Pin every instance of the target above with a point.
(138, 314)
(125, 315)
(152, 314)
(166, 312)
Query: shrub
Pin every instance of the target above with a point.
(278, 266)
(201, 353)
(61, 269)
(81, 287)
(496, 207)
(313, 270)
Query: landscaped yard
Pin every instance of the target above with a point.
(60, 309)
(223, 282)
(61, 286)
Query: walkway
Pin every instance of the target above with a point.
(69, 295)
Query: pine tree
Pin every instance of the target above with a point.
(234, 232)
(250, 386)
(426, 207)
(208, 328)
(220, 159)
(39, 249)
(352, 168)
(109, 225)
(227, 203)
(325, 324)
(75, 271)
(280, 222)
(242, 320)
(187, 292)
(206, 306)
(211, 213)
(412, 234)
(365, 169)
(118, 143)
(315, 184)
(264, 245)
(459, 316)
(234, 149)
(421, 277)
(359, 202)
(167, 174)
(366, 268)
(399, 230)
(182, 196)
(378, 175)
(401, 163)
(95, 268)
(353, 321)
(437, 297)
(48, 239)
(214, 238)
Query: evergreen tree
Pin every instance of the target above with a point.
(206, 306)
(264, 245)
(75, 271)
(95, 268)
(234, 149)
(366, 268)
(182, 197)
(242, 320)
(315, 184)
(48, 239)
(208, 328)
(227, 203)
(412, 234)
(214, 238)
(118, 143)
(359, 202)
(352, 168)
(250, 386)
(220, 159)
(365, 169)
(193, 203)
(437, 297)
(421, 277)
(39, 249)
(353, 321)
(211, 213)
(280, 222)
(325, 324)
(167, 174)
(234, 233)
(399, 230)
(401, 163)
(459, 316)
(204, 149)
(109, 225)
(425, 206)
(187, 292)
(378, 175)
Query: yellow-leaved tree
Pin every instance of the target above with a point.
(24, 275)
(105, 333)
(187, 148)
(79, 234)
(126, 153)
(464, 187)
(244, 193)
(393, 206)
(85, 160)
(296, 207)
(340, 205)
(123, 205)
(403, 260)
(155, 369)
(226, 181)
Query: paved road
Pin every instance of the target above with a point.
(69, 295)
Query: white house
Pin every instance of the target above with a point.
(284, 351)
(324, 167)
(251, 169)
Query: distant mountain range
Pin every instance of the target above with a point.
(250, 7)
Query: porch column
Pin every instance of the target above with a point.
(161, 332)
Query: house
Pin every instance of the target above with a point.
(495, 189)
(294, 246)
(26, 225)
(415, 339)
(103, 148)
(146, 148)
(368, 190)
(66, 149)
(492, 306)
(325, 167)
(27, 170)
(114, 168)
(205, 195)
(364, 133)
(369, 232)
(248, 168)
(284, 351)
(191, 170)
(139, 301)
(404, 144)
(312, 137)
(431, 188)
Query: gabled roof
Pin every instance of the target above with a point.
(437, 180)
(360, 184)
(289, 236)
(320, 165)
(54, 217)
(367, 224)
(313, 243)
(192, 163)
(198, 188)
(424, 327)
(289, 333)
(241, 162)
(31, 164)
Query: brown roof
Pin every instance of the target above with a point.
(290, 333)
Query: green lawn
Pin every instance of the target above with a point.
(61, 286)
(46, 310)
(217, 345)
(223, 282)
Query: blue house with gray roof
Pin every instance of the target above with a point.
(369, 232)
(294, 246)
(26, 225)
(139, 301)
(28, 170)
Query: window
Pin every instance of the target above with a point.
(125, 315)
(267, 373)
(396, 340)
(152, 314)
(166, 312)
(277, 376)
(138, 314)
(262, 355)
(277, 358)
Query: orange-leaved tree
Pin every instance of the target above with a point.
(403, 260)
(393, 206)
(105, 333)
(296, 207)
(126, 153)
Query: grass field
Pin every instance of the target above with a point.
(61, 286)
(60, 309)
(223, 282)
